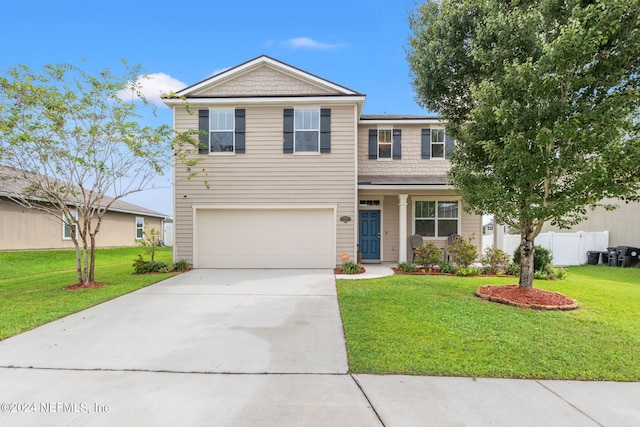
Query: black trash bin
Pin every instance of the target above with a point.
(634, 255)
(613, 257)
(622, 253)
(605, 257)
(593, 257)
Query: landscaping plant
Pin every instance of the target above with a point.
(428, 254)
(494, 259)
(463, 251)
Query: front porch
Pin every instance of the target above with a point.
(388, 217)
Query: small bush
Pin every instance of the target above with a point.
(468, 271)
(513, 269)
(140, 266)
(350, 267)
(428, 254)
(407, 266)
(448, 268)
(180, 265)
(541, 258)
(463, 252)
(494, 260)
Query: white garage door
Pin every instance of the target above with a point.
(264, 238)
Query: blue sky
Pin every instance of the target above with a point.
(358, 44)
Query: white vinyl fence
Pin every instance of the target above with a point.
(567, 248)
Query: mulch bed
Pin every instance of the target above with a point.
(526, 298)
(78, 286)
(338, 270)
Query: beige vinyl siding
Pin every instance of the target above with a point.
(22, 229)
(261, 81)
(623, 224)
(264, 175)
(411, 162)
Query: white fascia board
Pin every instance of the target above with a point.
(405, 187)
(264, 60)
(401, 121)
(339, 99)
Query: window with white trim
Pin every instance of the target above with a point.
(139, 227)
(306, 128)
(437, 143)
(67, 228)
(436, 218)
(385, 143)
(221, 131)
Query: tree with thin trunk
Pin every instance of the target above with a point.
(542, 98)
(73, 143)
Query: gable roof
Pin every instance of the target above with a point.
(264, 60)
(13, 187)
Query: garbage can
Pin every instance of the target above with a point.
(605, 257)
(634, 254)
(613, 257)
(593, 257)
(623, 258)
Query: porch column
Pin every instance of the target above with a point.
(402, 204)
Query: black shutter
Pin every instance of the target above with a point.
(240, 128)
(203, 125)
(397, 144)
(448, 145)
(373, 143)
(426, 144)
(287, 146)
(325, 130)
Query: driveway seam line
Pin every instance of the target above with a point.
(163, 371)
(571, 404)
(373, 408)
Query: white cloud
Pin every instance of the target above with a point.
(307, 43)
(153, 86)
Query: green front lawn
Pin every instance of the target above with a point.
(435, 325)
(32, 284)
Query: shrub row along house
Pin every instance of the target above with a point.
(23, 228)
(297, 175)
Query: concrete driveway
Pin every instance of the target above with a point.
(192, 350)
(256, 347)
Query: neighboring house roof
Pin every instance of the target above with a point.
(12, 187)
(191, 91)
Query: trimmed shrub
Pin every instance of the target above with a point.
(463, 252)
(541, 258)
(180, 265)
(350, 267)
(407, 266)
(428, 254)
(494, 259)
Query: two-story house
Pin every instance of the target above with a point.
(298, 175)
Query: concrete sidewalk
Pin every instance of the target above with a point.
(256, 347)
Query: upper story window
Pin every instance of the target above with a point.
(221, 129)
(434, 218)
(437, 143)
(307, 130)
(385, 144)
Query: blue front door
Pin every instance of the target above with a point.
(370, 234)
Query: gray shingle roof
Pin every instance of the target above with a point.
(13, 187)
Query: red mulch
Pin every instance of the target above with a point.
(338, 270)
(527, 298)
(83, 286)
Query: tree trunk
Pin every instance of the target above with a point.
(92, 262)
(527, 251)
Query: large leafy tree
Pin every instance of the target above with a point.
(543, 98)
(73, 143)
